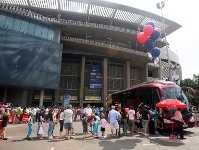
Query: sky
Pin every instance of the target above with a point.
(185, 41)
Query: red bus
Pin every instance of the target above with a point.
(150, 93)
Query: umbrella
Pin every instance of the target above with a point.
(171, 103)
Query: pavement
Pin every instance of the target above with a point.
(16, 140)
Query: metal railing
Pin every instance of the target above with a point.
(103, 44)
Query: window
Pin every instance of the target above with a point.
(38, 30)
(50, 33)
(3, 19)
(44, 32)
(31, 28)
(24, 25)
(17, 23)
(9, 21)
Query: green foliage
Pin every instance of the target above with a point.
(194, 83)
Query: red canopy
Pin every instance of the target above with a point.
(171, 103)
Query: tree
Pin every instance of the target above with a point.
(194, 84)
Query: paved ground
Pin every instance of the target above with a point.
(16, 141)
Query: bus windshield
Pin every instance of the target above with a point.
(175, 93)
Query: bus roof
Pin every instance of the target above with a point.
(154, 83)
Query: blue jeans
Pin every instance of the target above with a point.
(29, 129)
(124, 125)
(50, 128)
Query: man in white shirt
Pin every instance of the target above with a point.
(68, 115)
(88, 111)
(131, 122)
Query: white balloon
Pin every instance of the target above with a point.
(156, 60)
(150, 56)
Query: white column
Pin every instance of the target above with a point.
(41, 101)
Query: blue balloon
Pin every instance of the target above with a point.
(149, 44)
(149, 37)
(151, 23)
(155, 35)
(155, 52)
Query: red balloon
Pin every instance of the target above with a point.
(159, 30)
(148, 30)
(142, 38)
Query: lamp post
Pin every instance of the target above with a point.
(161, 6)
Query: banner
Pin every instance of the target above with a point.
(66, 100)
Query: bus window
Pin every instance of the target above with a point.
(148, 96)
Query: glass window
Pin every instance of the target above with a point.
(45, 32)
(9, 21)
(2, 18)
(31, 27)
(17, 23)
(38, 30)
(50, 33)
(24, 25)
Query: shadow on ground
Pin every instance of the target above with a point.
(119, 144)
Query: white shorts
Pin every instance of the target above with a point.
(114, 125)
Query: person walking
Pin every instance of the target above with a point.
(5, 120)
(124, 117)
(180, 122)
(29, 122)
(51, 124)
(131, 121)
(145, 119)
(61, 122)
(68, 115)
(112, 117)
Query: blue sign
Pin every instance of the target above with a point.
(96, 77)
(66, 100)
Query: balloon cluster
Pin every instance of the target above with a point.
(148, 37)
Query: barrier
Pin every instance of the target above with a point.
(24, 117)
(10, 118)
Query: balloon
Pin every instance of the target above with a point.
(127, 110)
(142, 38)
(155, 52)
(151, 23)
(156, 61)
(159, 30)
(155, 35)
(149, 44)
(148, 30)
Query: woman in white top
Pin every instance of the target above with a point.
(61, 122)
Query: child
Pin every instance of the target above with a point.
(95, 124)
(41, 130)
(29, 122)
(103, 123)
(85, 127)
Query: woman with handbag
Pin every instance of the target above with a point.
(124, 117)
(139, 121)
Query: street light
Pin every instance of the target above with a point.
(87, 36)
(161, 6)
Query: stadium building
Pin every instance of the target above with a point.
(83, 48)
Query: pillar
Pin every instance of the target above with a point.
(57, 35)
(29, 99)
(81, 91)
(56, 97)
(24, 97)
(41, 101)
(5, 95)
(104, 84)
(127, 80)
(160, 70)
(144, 73)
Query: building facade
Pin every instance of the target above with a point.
(83, 48)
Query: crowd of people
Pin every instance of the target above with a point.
(146, 120)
